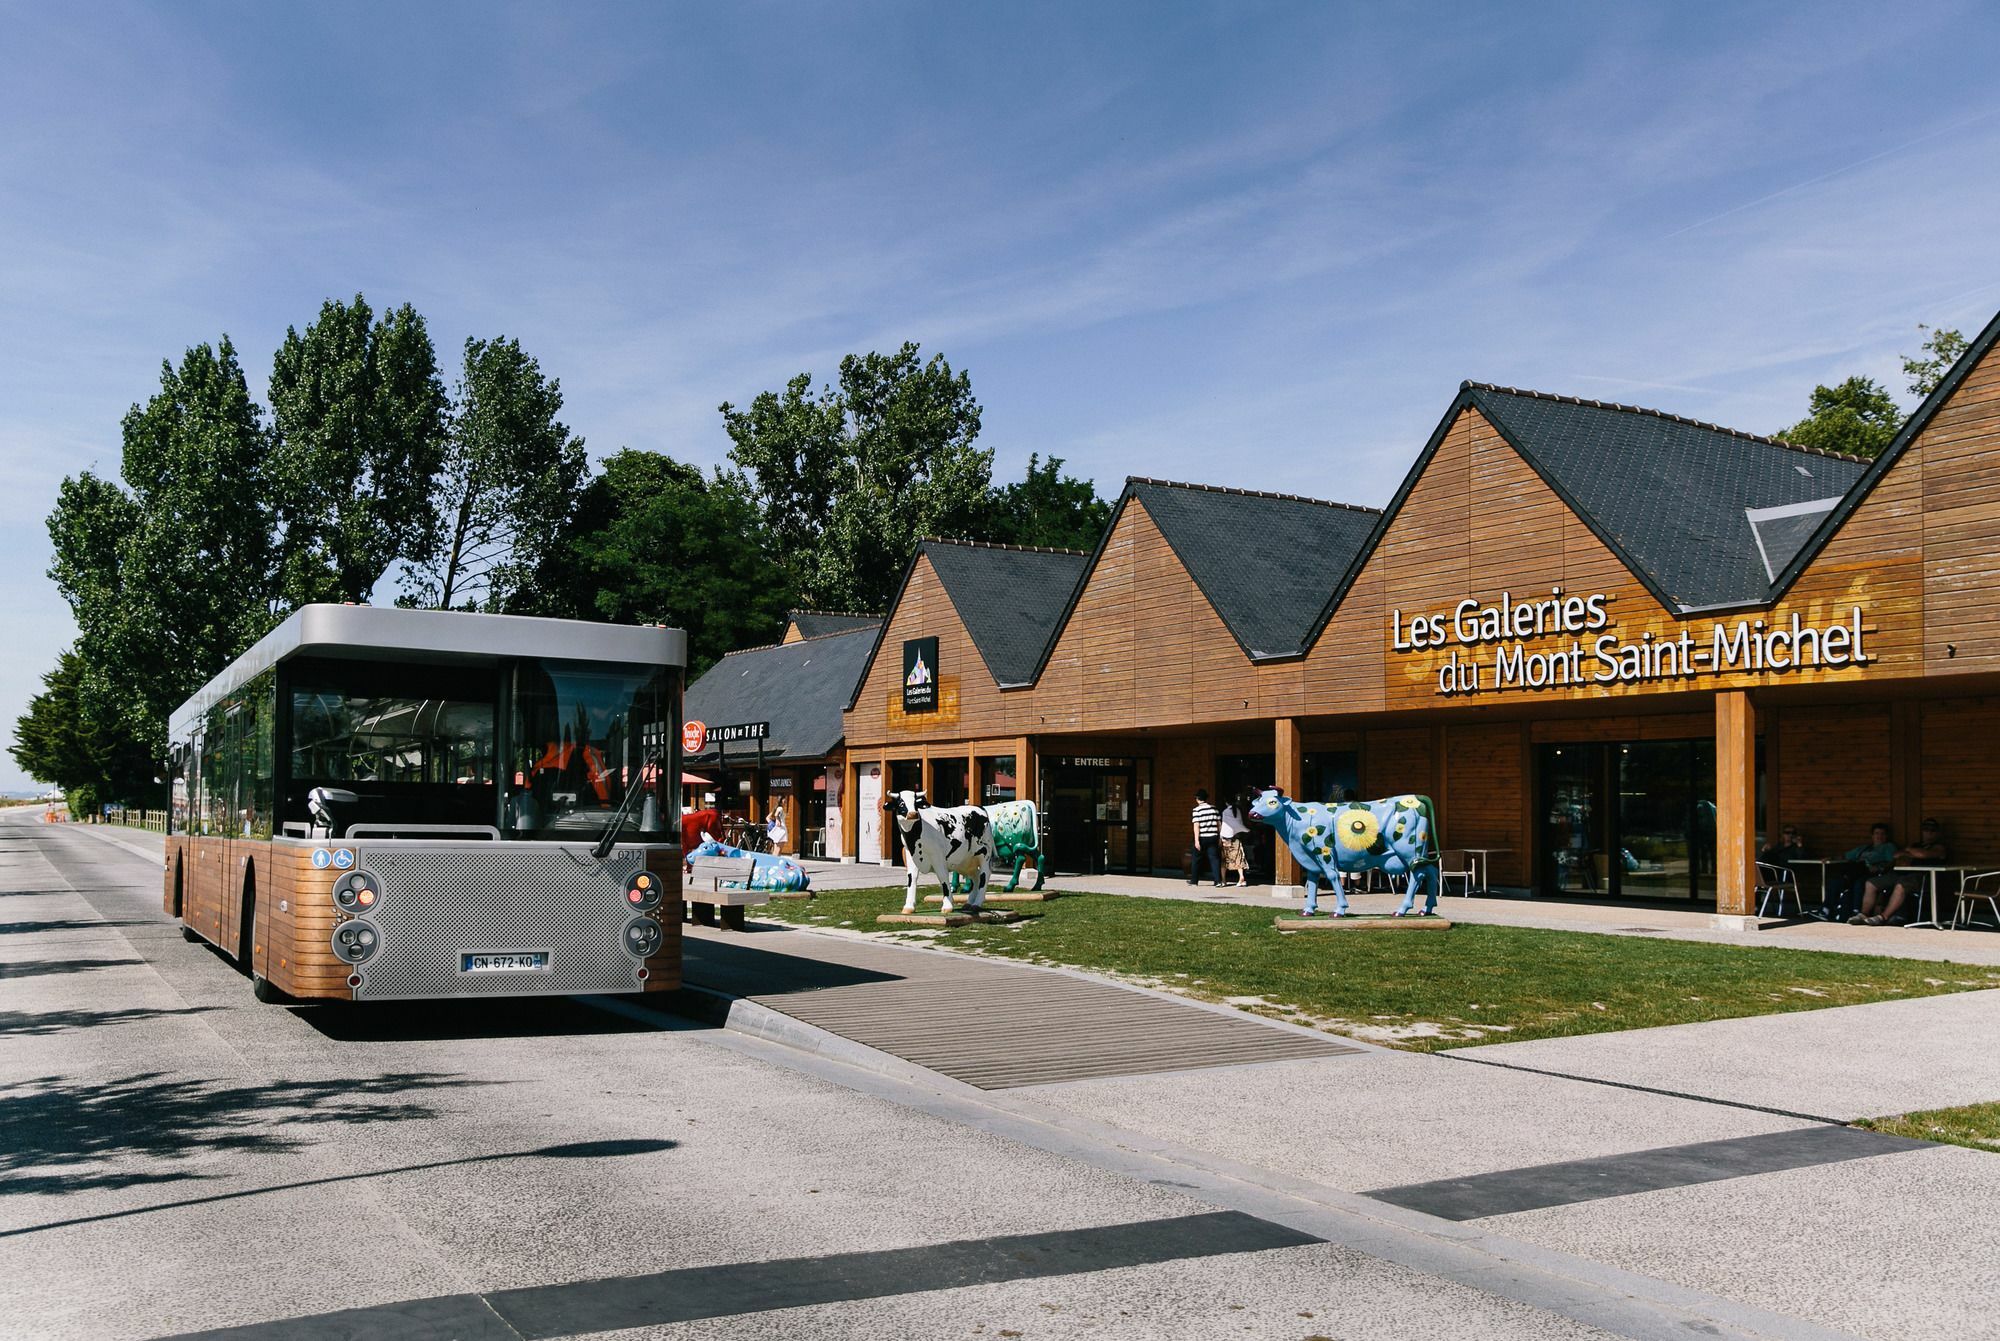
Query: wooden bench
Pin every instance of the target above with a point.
(719, 873)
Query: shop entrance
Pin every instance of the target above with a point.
(1090, 806)
(905, 775)
(1628, 819)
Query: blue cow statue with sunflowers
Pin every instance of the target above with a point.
(778, 875)
(1397, 835)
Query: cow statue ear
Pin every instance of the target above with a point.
(923, 798)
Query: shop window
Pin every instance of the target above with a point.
(996, 779)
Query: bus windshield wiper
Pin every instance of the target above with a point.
(610, 838)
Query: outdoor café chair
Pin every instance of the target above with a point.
(1774, 884)
(1974, 888)
(1453, 864)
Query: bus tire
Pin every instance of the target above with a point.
(266, 991)
(189, 934)
(246, 930)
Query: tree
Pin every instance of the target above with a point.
(849, 479)
(169, 577)
(1048, 509)
(1858, 417)
(510, 482)
(654, 541)
(66, 738)
(358, 417)
(1938, 352)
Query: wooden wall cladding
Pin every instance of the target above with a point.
(1485, 795)
(1143, 648)
(1836, 779)
(1961, 776)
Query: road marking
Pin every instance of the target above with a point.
(696, 1293)
(1572, 1181)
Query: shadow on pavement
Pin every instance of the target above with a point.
(612, 1149)
(420, 1021)
(65, 924)
(40, 968)
(38, 1024)
(745, 970)
(60, 1135)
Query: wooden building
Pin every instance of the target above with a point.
(782, 704)
(1616, 646)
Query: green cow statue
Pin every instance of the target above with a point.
(1017, 837)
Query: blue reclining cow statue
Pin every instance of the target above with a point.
(778, 875)
(1017, 837)
(1397, 836)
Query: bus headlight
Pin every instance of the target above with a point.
(643, 937)
(643, 892)
(356, 942)
(356, 892)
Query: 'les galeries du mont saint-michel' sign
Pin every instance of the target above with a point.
(1489, 645)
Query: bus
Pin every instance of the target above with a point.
(377, 804)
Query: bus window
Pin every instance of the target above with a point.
(581, 735)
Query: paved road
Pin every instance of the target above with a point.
(175, 1158)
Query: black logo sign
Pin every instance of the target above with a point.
(920, 675)
(740, 731)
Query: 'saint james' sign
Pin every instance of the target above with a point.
(1490, 652)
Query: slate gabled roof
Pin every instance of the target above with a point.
(818, 623)
(1011, 600)
(800, 688)
(1264, 561)
(1668, 495)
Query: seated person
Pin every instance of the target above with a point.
(1789, 847)
(1902, 886)
(1871, 861)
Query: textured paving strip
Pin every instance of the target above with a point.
(1572, 1181)
(695, 1293)
(991, 1025)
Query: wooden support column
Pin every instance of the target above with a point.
(1027, 771)
(930, 785)
(1906, 768)
(972, 796)
(850, 809)
(1291, 761)
(1735, 803)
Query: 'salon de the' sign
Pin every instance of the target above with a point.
(1490, 651)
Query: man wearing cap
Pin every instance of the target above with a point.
(1929, 849)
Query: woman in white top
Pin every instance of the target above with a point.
(1233, 856)
(774, 828)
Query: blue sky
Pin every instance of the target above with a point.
(1243, 244)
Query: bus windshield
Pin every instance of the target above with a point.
(580, 735)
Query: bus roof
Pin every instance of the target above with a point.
(389, 633)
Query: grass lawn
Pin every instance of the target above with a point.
(1418, 990)
(1976, 1125)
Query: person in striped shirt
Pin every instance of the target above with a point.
(1207, 840)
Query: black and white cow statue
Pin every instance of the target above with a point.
(958, 841)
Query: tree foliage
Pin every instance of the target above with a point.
(68, 738)
(1047, 508)
(358, 419)
(1858, 417)
(850, 477)
(654, 541)
(511, 480)
(1940, 349)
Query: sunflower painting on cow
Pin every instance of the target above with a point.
(1397, 835)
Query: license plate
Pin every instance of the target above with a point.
(517, 962)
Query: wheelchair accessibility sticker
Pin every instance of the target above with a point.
(340, 858)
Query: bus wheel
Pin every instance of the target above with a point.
(189, 935)
(266, 991)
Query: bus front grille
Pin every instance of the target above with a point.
(442, 901)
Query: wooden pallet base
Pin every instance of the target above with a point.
(943, 919)
(1351, 922)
